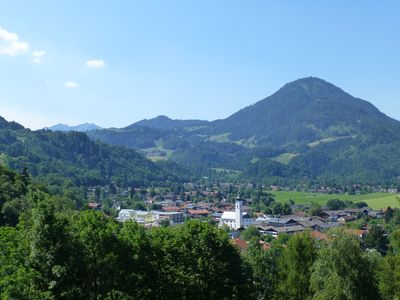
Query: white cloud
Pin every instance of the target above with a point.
(38, 53)
(96, 63)
(11, 45)
(35, 60)
(37, 57)
(71, 85)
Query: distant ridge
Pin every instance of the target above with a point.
(81, 127)
(163, 122)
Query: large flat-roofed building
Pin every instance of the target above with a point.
(148, 217)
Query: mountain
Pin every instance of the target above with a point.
(304, 111)
(309, 129)
(58, 158)
(81, 127)
(165, 123)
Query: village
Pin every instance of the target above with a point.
(236, 208)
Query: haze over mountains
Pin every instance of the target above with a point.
(307, 129)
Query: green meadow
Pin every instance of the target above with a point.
(374, 200)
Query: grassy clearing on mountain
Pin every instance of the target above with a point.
(285, 158)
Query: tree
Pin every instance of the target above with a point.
(197, 261)
(389, 277)
(250, 232)
(52, 253)
(395, 241)
(137, 264)
(264, 269)
(165, 223)
(276, 208)
(315, 209)
(376, 238)
(342, 271)
(295, 267)
(335, 204)
(389, 214)
(97, 241)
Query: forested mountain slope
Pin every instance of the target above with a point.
(55, 157)
(305, 111)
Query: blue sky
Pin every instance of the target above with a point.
(117, 62)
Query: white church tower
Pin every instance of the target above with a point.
(238, 213)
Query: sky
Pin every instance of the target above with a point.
(116, 62)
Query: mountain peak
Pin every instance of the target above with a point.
(162, 117)
(166, 123)
(312, 87)
(81, 127)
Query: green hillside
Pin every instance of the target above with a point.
(57, 158)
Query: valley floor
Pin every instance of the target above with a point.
(374, 200)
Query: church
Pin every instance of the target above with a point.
(236, 219)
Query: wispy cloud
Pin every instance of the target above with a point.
(96, 63)
(11, 45)
(71, 85)
(37, 57)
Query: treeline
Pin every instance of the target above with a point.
(87, 255)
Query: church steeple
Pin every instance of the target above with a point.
(238, 213)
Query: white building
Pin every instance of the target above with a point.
(148, 217)
(236, 219)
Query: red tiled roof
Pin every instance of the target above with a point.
(171, 208)
(94, 205)
(357, 232)
(241, 244)
(265, 245)
(318, 235)
(198, 211)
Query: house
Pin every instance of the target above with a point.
(172, 216)
(346, 219)
(333, 215)
(376, 214)
(281, 222)
(139, 216)
(94, 205)
(233, 234)
(243, 245)
(171, 208)
(360, 233)
(198, 213)
(276, 230)
(319, 236)
(216, 216)
(314, 224)
(356, 211)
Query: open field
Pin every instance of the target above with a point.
(285, 158)
(374, 200)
